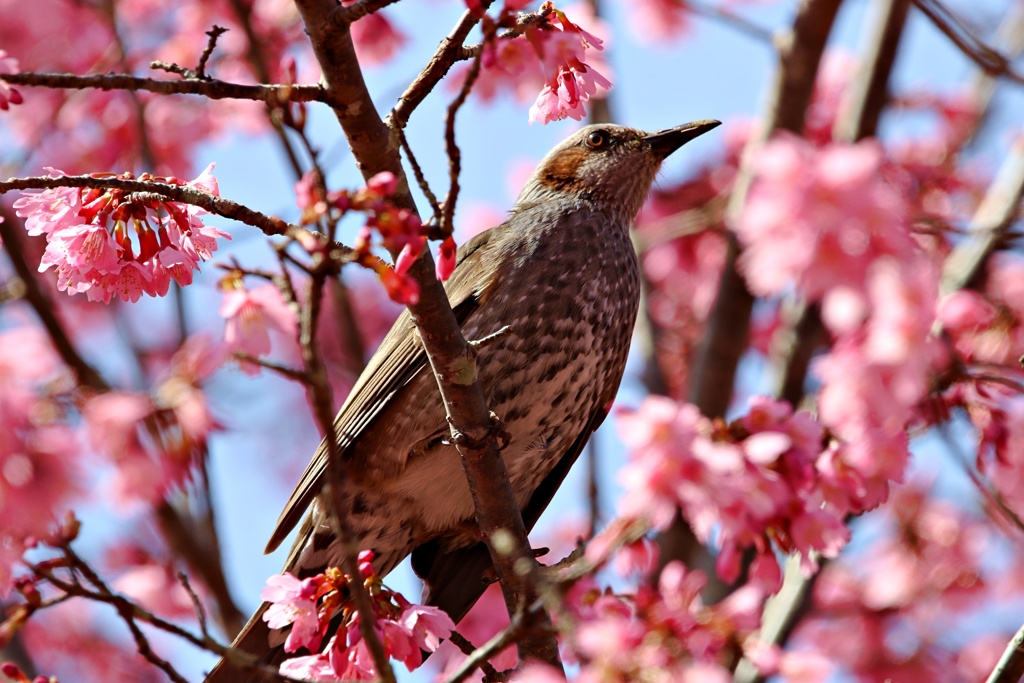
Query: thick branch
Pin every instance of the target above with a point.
(210, 88)
(729, 323)
(995, 214)
(452, 359)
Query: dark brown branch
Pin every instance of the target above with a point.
(144, 190)
(728, 326)
(343, 16)
(448, 52)
(452, 148)
(452, 359)
(209, 88)
(988, 60)
(214, 33)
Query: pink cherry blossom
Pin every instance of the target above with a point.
(569, 80)
(315, 667)
(376, 38)
(426, 625)
(445, 259)
(660, 20)
(249, 315)
(8, 95)
(89, 243)
(293, 602)
(755, 484)
(820, 217)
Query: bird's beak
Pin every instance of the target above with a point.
(664, 142)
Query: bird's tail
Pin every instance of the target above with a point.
(254, 638)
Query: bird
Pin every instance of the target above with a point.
(561, 279)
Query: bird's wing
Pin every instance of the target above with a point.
(454, 580)
(397, 361)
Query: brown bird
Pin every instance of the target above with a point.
(562, 275)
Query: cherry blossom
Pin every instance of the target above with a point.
(752, 484)
(293, 603)
(375, 37)
(89, 242)
(249, 315)
(307, 606)
(820, 217)
(8, 95)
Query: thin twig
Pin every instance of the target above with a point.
(482, 655)
(1010, 668)
(447, 53)
(452, 147)
(417, 172)
(196, 604)
(300, 376)
(319, 390)
(345, 15)
(214, 33)
(209, 88)
(953, 27)
(460, 641)
(731, 19)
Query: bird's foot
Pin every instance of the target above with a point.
(495, 430)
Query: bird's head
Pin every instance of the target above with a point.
(612, 166)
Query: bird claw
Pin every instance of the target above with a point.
(496, 430)
(478, 344)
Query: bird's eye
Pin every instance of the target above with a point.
(597, 139)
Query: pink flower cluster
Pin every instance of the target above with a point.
(306, 607)
(90, 245)
(8, 95)
(399, 229)
(375, 38)
(831, 221)
(552, 56)
(569, 81)
(154, 440)
(755, 483)
(37, 448)
(661, 633)
(883, 613)
(249, 315)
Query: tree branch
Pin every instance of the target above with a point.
(145, 190)
(209, 88)
(988, 60)
(452, 359)
(1010, 668)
